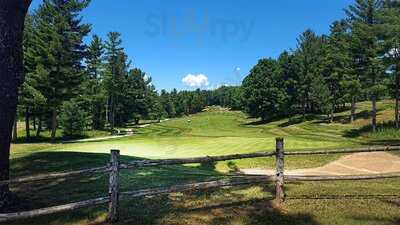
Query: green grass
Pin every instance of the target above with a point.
(215, 133)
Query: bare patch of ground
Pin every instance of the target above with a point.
(354, 164)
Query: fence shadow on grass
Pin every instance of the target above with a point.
(342, 197)
(377, 219)
(251, 212)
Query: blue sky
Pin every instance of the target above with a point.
(207, 43)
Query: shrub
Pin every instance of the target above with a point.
(73, 119)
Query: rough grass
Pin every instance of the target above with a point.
(216, 133)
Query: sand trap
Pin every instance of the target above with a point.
(354, 164)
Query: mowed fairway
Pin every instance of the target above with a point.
(216, 132)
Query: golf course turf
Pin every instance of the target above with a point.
(211, 133)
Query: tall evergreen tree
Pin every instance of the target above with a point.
(390, 16)
(136, 106)
(154, 107)
(337, 64)
(30, 97)
(114, 74)
(309, 61)
(167, 104)
(94, 93)
(364, 20)
(61, 32)
(288, 69)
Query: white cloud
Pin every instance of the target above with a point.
(237, 69)
(199, 80)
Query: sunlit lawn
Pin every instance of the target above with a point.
(214, 133)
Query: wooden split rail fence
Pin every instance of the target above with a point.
(115, 166)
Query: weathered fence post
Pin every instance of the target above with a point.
(113, 190)
(279, 194)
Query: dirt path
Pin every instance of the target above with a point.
(97, 139)
(354, 164)
(128, 131)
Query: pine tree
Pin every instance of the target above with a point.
(61, 32)
(94, 93)
(289, 75)
(364, 20)
(114, 74)
(337, 65)
(73, 119)
(135, 106)
(177, 102)
(30, 97)
(167, 104)
(390, 26)
(309, 62)
(154, 107)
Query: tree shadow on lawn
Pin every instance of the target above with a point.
(386, 142)
(223, 206)
(381, 127)
(377, 220)
(45, 139)
(294, 120)
(300, 119)
(392, 220)
(345, 119)
(57, 139)
(320, 119)
(248, 212)
(146, 210)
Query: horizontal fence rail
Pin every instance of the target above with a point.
(54, 209)
(243, 180)
(342, 178)
(167, 162)
(50, 176)
(238, 181)
(170, 162)
(345, 151)
(114, 167)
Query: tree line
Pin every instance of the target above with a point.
(94, 86)
(80, 86)
(358, 60)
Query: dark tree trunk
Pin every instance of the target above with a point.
(112, 113)
(374, 114)
(12, 17)
(107, 112)
(15, 131)
(27, 127)
(39, 129)
(353, 109)
(34, 123)
(304, 108)
(397, 116)
(53, 123)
